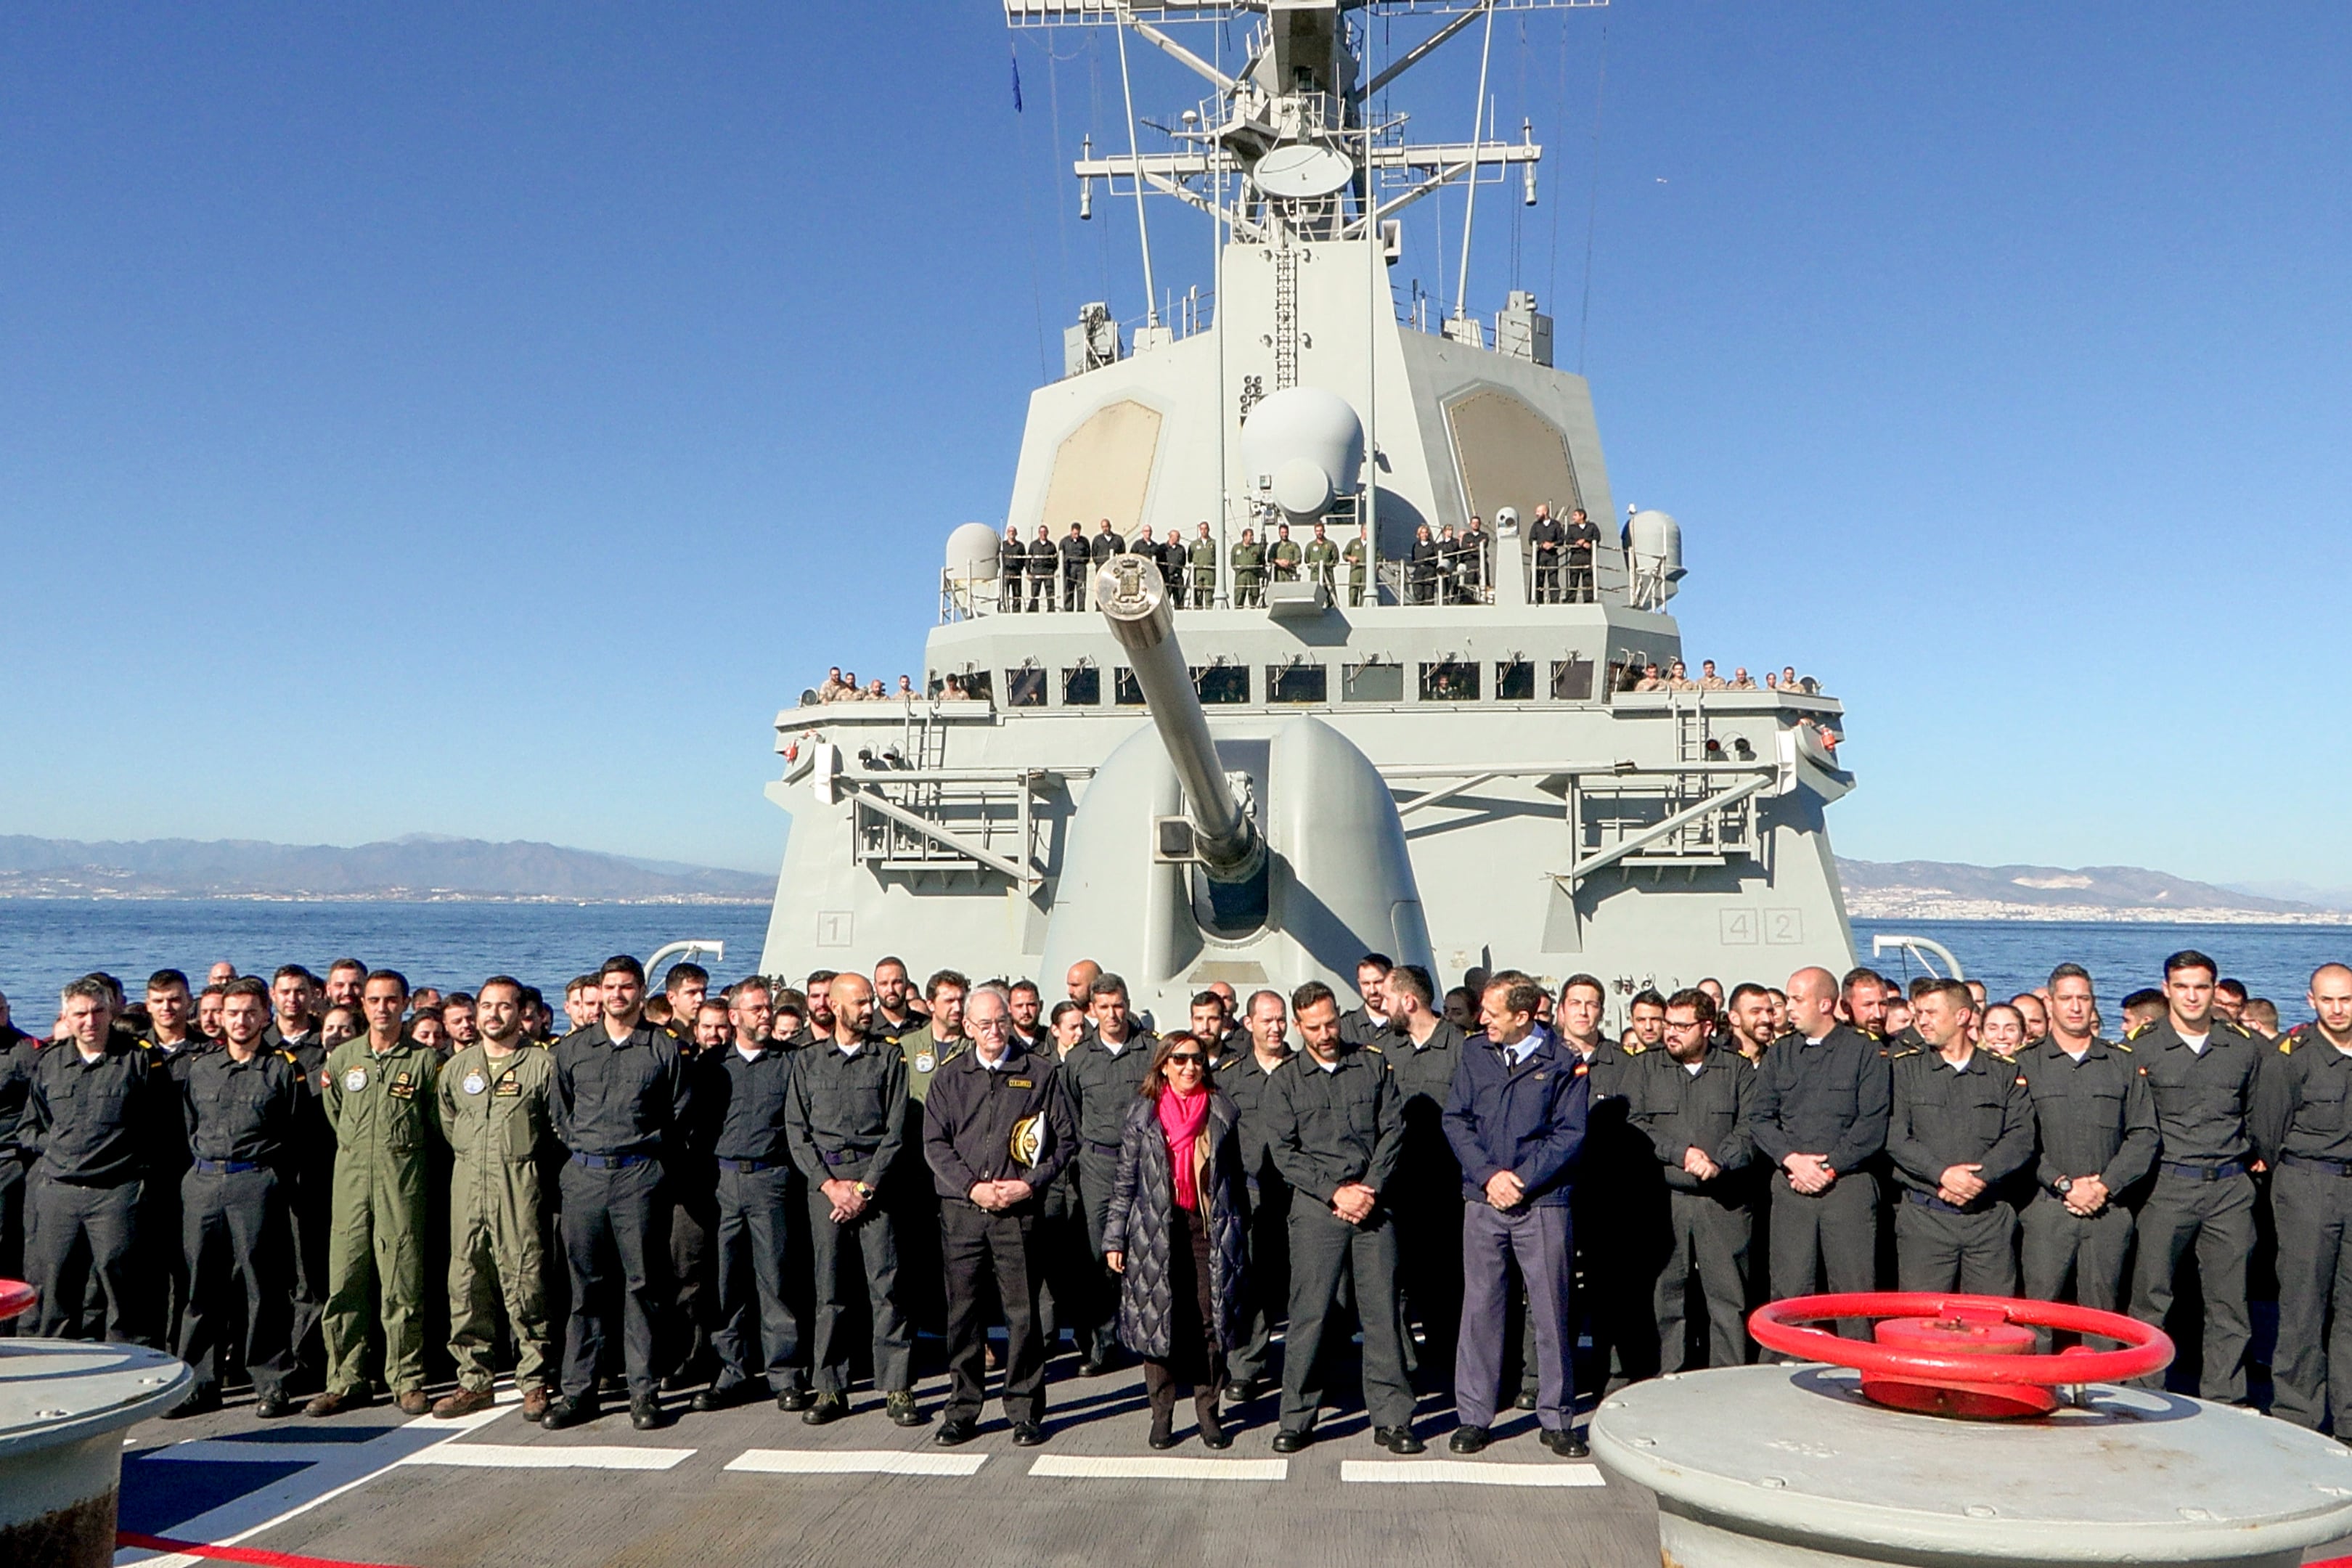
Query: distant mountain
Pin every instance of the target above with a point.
(2301, 893)
(419, 867)
(1939, 889)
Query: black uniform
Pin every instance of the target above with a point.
(1244, 1080)
(620, 1106)
(1977, 1113)
(982, 1124)
(690, 1188)
(243, 1118)
(19, 1052)
(1100, 1084)
(1544, 537)
(1326, 1128)
(1427, 1196)
(1172, 560)
(1011, 565)
(92, 1124)
(1044, 561)
(1709, 1224)
(745, 1100)
(1579, 539)
(159, 1217)
(1620, 1217)
(311, 1182)
(2204, 1191)
(1829, 1097)
(2300, 1129)
(2092, 1118)
(1073, 571)
(1424, 564)
(847, 1122)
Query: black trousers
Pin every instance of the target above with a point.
(616, 1251)
(1708, 1236)
(12, 1229)
(1828, 1241)
(873, 1239)
(977, 1248)
(694, 1272)
(1548, 569)
(1269, 1273)
(309, 1208)
(1091, 1322)
(1620, 1239)
(2216, 1219)
(73, 1232)
(1325, 1252)
(757, 1332)
(1579, 580)
(1429, 1266)
(1195, 1356)
(2061, 1247)
(164, 1266)
(1074, 589)
(2312, 1366)
(1937, 1250)
(239, 1252)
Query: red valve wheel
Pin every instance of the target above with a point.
(1961, 1355)
(16, 1299)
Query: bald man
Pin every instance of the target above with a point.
(1820, 1113)
(1078, 983)
(2299, 1130)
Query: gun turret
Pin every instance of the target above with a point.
(1134, 599)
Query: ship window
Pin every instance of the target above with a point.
(1450, 681)
(1571, 679)
(1373, 682)
(1125, 689)
(1024, 688)
(1222, 682)
(1515, 680)
(1081, 686)
(978, 685)
(1297, 683)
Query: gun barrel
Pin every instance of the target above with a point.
(1134, 599)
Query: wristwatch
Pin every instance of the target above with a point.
(2063, 1185)
(864, 1191)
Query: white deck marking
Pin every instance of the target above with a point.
(549, 1457)
(1154, 1467)
(1470, 1472)
(855, 1462)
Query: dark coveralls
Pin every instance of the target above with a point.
(1977, 1113)
(1581, 539)
(311, 1179)
(1326, 1129)
(17, 1055)
(243, 1118)
(2301, 1130)
(1244, 1080)
(1829, 1097)
(1099, 1083)
(159, 1220)
(2094, 1118)
(1045, 562)
(1426, 1197)
(847, 1122)
(972, 1120)
(1709, 1223)
(1521, 1110)
(2204, 1192)
(1544, 538)
(690, 1313)
(618, 1104)
(746, 1100)
(93, 1123)
(1072, 549)
(1619, 1226)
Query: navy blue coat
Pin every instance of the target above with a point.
(1527, 1119)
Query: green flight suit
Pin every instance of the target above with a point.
(1249, 573)
(494, 1115)
(1204, 556)
(385, 1115)
(1354, 556)
(1322, 560)
(1283, 554)
(924, 1059)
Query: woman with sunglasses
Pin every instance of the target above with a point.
(1175, 1235)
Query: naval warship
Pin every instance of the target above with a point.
(1259, 789)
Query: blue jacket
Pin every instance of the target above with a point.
(1527, 1120)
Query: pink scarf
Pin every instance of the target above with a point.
(1181, 1117)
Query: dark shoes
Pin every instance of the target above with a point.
(825, 1407)
(1291, 1442)
(796, 1399)
(956, 1431)
(645, 1413)
(721, 1396)
(1094, 1366)
(904, 1412)
(1398, 1440)
(1027, 1433)
(1565, 1443)
(273, 1406)
(1524, 1402)
(1468, 1440)
(569, 1413)
(464, 1402)
(201, 1400)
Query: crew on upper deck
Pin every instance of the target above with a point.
(1546, 536)
(1578, 540)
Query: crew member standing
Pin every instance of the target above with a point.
(18, 1054)
(621, 1098)
(379, 1101)
(1357, 554)
(845, 1125)
(1101, 1076)
(995, 1131)
(2095, 1122)
(1282, 556)
(1045, 562)
(1962, 1125)
(1011, 565)
(172, 1045)
(1073, 568)
(1204, 559)
(1544, 536)
(1245, 1078)
(2299, 1130)
(1690, 1101)
(1321, 558)
(241, 1105)
(497, 1099)
(1819, 1111)
(1249, 573)
(1425, 1051)
(1578, 540)
(1336, 1132)
(2202, 1070)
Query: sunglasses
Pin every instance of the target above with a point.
(1185, 1059)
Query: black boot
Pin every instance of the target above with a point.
(1213, 1431)
(1163, 1412)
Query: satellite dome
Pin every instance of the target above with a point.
(972, 553)
(1298, 436)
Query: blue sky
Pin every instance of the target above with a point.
(479, 420)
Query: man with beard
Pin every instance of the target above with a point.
(172, 1045)
(1101, 1076)
(1690, 1102)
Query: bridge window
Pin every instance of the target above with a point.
(1024, 688)
(1373, 682)
(1082, 686)
(1297, 683)
(1571, 679)
(1125, 689)
(1515, 680)
(1219, 683)
(1450, 681)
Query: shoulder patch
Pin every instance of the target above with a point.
(1635, 1049)
(288, 1055)
(2286, 1045)
(2238, 1029)
(2121, 1046)
(1906, 1051)
(2136, 1030)
(1367, 1045)
(1583, 1067)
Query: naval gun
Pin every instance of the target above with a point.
(1266, 852)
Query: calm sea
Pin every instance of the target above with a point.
(45, 943)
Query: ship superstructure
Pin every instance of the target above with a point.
(1555, 819)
